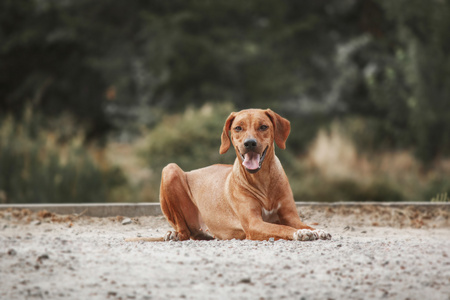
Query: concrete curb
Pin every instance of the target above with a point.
(100, 210)
(153, 209)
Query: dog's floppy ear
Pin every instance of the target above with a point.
(226, 141)
(281, 126)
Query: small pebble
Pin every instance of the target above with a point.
(245, 280)
(42, 257)
(126, 221)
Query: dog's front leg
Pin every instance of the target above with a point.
(288, 216)
(256, 228)
(259, 230)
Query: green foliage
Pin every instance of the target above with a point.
(309, 185)
(191, 139)
(170, 55)
(380, 67)
(442, 197)
(399, 77)
(385, 61)
(440, 185)
(45, 56)
(41, 166)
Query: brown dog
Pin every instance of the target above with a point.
(251, 199)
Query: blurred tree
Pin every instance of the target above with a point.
(108, 62)
(44, 60)
(399, 74)
(75, 55)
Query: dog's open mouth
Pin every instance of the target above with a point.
(252, 161)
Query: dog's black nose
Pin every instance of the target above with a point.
(250, 144)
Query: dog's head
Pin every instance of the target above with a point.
(253, 132)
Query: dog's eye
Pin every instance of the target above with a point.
(238, 128)
(263, 127)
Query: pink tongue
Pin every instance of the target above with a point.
(251, 161)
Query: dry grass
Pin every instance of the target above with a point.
(41, 162)
(140, 177)
(334, 157)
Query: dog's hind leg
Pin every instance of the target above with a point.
(176, 204)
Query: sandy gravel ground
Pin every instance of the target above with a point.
(373, 255)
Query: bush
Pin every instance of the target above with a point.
(190, 139)
(437, 189)
(312, 185)
(39, 165)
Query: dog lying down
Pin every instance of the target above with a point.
(251, 199)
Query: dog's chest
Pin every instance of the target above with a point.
(270, 216)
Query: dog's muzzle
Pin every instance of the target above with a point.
(252, 161)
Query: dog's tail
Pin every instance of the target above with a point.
(145, 239)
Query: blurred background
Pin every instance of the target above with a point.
(96, 97)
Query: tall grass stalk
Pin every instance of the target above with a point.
(40, 165)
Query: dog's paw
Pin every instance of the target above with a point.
(323, 235)
(305, 235)
(171, 236)
(311, 235)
